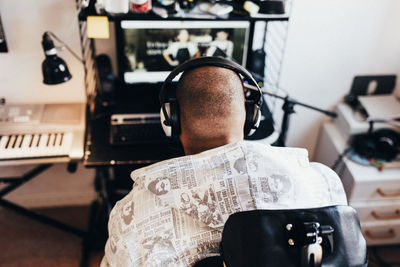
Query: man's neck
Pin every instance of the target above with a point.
(197, 146)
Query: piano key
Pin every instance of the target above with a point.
(67, 140)
(34, 141)
(3, 141)
(61, 139)
(55, 138)
(11, 141)
(38, 141)
(51, 140)
(43, 140)
(57, 141)
(10, 148)
(22, 140)
(18, 141)
(26, 141)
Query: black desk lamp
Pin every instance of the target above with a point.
(54, 68)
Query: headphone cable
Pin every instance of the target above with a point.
(340, 158)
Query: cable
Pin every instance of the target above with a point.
(340, 158)
(64, 45)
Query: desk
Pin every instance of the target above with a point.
(100, 153)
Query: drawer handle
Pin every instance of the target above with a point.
(389, 234)
(378, 216)
(384, 194)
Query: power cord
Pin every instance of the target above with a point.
(340, 158)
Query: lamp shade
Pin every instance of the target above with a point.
(55, 70)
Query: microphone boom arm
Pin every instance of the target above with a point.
(288, 108)
(295, 102)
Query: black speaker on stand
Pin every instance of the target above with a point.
(107, 81)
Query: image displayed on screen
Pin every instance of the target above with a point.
(153, 48)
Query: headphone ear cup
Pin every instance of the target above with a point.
(257, 119)
(166, 128)
(387, 144)
(175, 120)
(253, 118)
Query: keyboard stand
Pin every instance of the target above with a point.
(16, 182)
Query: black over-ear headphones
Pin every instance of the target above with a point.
(169, 105)
(380, 144)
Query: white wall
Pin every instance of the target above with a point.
(329, 42)
(24, 22)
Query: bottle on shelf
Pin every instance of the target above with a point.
(140, 6)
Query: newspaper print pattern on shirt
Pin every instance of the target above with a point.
(177, 208)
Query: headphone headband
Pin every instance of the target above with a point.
(210, 61)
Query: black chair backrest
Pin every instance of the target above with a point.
(327, 236)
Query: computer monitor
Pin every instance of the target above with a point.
(148, 50)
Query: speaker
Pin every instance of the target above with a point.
(170, 108)
(107, 79)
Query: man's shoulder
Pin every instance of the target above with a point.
(232, 149)
(208, 154)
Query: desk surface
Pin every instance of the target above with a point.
(127, 99)
(99, 152)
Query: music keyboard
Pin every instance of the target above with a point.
(23, 146)
(39, 133)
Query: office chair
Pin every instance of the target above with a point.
(327, 236)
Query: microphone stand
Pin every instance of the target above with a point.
(288, 109)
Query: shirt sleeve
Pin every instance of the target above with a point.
(116, 252)
(335, 188)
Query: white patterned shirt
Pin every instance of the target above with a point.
(176, 210)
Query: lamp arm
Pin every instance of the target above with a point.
(64, 45)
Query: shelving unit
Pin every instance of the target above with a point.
(91, 11)
(276, 30)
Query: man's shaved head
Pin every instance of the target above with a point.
(212, 109)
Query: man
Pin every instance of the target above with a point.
(221, 174)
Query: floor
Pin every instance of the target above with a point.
(24, 242)
(384, 256)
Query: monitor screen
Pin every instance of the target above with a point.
(149, 50)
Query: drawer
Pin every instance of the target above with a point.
(381, 233)
(370, 211)
(369, 189)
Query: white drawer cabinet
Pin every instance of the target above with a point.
(374, 194)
